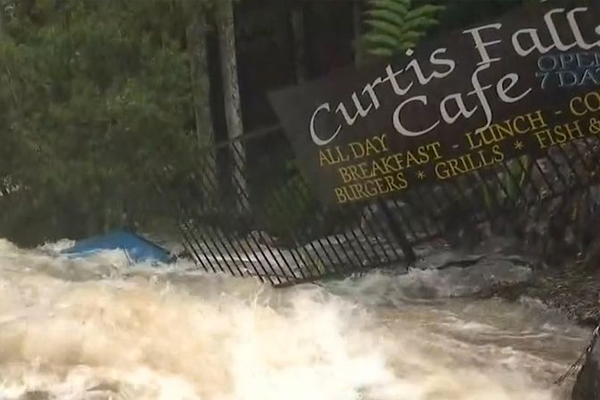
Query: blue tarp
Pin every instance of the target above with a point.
(137, 248)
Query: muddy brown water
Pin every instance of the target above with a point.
(97, 329)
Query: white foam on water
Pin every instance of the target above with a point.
(96, 329)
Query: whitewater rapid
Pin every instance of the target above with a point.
(97, 329)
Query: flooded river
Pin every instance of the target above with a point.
(96, 329)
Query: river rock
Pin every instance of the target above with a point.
(587, 385)
(485, 278)
(449, 275)
(447, 258)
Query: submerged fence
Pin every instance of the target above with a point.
(249, 211)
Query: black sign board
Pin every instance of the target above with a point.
(470, 100)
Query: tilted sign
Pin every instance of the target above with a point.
(475, 98)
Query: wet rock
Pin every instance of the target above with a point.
(487, 277)
(447, 259)
(571, 289)
(587, 385)
(468, 276)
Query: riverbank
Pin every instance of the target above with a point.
(572, 290)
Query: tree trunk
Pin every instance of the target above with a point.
(2, 19)
(357, 14)
(199, 74)
(231, 94)
(299, 42)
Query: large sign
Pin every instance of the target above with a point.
(470, 100)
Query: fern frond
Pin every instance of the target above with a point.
(399, 7)
(395, 26)
(384, 28)
(381, 52)
(407, 44)
(428, 10)
(410, 39)
(381, 39)
(419, 24)
(384, 15)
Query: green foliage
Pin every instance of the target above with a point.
(508, 184)
(395, 26)
(96, 103)
(288, 207)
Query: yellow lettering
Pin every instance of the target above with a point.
(346, 177)
(364, 171)
(389, 180)
(378, 169)
(357, 149)
(423, 155)
(589, 103)
(370, 190)
(381, 140)
(559, 136)
(473, 146)
(536, 119)
(380, 186)
(455, 168)
(403, 183)
(443, 172)
(592, 101)
(498, 154)
(398, 158)
(468, 162)
(323, 160)
(341, 195)
(575, 111)
(517, 121)
(410, 158)
(574, 130)
(542, 140)
(435, 147)
(341, 157)
(370, 148)
(506, 129)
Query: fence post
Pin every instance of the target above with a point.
(398, 233)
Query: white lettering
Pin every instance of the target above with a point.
(479, 90)
(398, 121)
(442, 61)
(553, 32)
(481, 45)
(576, 31)
(369, 88)
(535, 39)
(315, 138)
(392, 79)
(502, 91)
(462, 109)
(360, 111)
